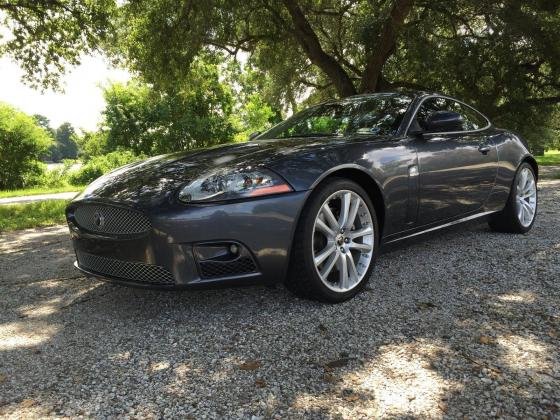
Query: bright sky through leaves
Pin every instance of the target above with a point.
(80, 104)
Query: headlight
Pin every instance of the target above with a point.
(233, 183)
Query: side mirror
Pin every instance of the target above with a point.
(253, 135)
(443, 121)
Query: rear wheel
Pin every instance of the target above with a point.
(336, 243)
(519, 213)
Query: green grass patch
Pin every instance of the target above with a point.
(552, 157)
(23, 216)
(39, 190)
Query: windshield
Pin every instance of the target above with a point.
(379, 114)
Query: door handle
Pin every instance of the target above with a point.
(484, 149)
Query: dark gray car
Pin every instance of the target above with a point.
(307, 203)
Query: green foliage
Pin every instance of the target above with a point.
(22, 143)
(503, 57)
(56, 177)
(23, 216)
(194, 114)
(551, 157)
(254, 116)
(66, 147)
(100, 165)
(44, 37)
(92, 143)
(40, 190)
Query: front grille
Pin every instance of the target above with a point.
(126, 270)
(111, 220)
(215, 269)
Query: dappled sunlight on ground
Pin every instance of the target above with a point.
(404, 382)
(521, 296)
(20, 335)
(399, 381)
(525, 355)
(465, 322)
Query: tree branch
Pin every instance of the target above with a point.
(385, 45)
(306, 37)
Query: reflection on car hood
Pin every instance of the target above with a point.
(156, 180)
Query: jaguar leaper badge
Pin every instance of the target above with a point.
(99, 219)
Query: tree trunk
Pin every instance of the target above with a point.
(308, 40)
(385, 45)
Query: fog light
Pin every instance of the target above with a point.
(234, 249)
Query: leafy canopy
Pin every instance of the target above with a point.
(503, 57)
(46, 36)
(193, 114)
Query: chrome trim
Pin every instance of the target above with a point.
(455, 222)
(447, 132)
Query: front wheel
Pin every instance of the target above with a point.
(335, 244)
(520, 211)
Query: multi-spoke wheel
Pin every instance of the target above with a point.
(335, 244)
(519, 213)
(526, 197)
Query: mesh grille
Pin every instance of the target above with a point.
(132, 271)
(111, 220)
(214, 269)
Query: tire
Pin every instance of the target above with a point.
(512, 219)
(353, 241)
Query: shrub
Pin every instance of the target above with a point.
(100, 165)
(57, 177)
(22, 142)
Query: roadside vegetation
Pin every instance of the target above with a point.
(40, 190)
(551, 157)
(23, 216)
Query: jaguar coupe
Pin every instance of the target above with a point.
(307, 203)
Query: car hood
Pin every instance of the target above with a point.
(156, 180)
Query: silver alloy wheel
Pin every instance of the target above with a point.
(343, 241)
(526, 197)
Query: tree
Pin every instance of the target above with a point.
(150, 121)
(92, 143)
(44, 37)
(66, 146)
(22, 142)
(503, 57)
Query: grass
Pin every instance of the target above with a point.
(39, 190)
(23, 216)
(552, 157)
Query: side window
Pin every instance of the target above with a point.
(472, 119)
(428, 107)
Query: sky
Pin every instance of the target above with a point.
(81, 102)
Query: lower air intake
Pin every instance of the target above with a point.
(216, 269)
(131, 271)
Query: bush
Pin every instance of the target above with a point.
(22, 142)
(57, 177)
(100, 165)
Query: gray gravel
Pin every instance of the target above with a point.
(464, 322)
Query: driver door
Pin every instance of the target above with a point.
(457, 170)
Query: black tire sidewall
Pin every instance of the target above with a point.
(315, 203)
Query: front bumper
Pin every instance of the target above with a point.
(177, 251)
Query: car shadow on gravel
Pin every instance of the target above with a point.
(460, 322)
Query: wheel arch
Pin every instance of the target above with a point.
(365, 180)
(531, 161)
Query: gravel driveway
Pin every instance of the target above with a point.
(464, 322)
